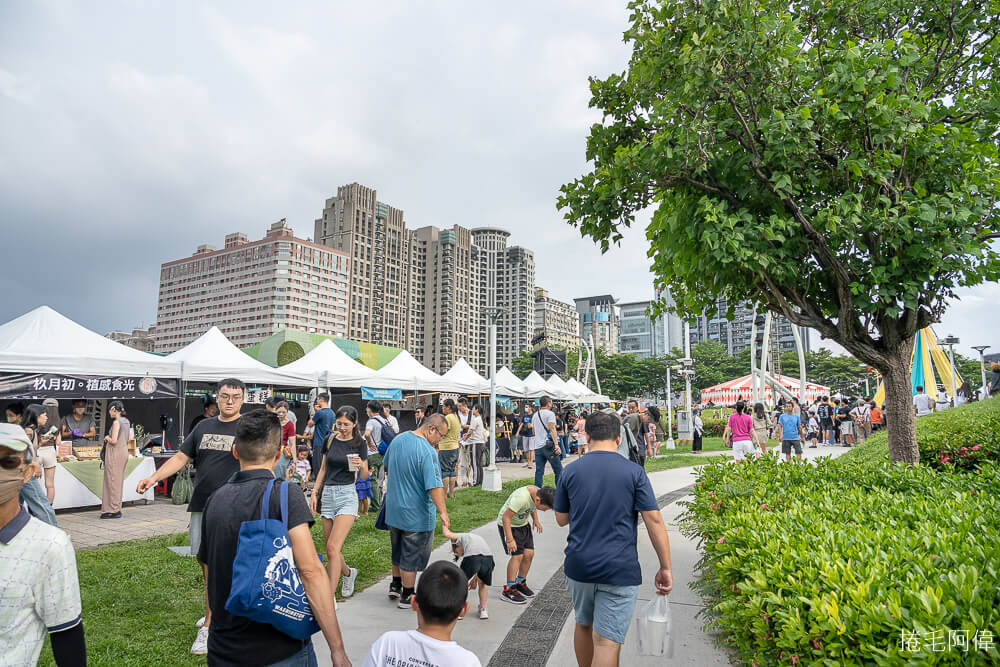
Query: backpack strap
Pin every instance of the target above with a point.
(284, 506)
(265, 501)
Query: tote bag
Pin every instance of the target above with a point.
(266, 585)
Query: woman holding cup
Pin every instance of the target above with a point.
(345, 459)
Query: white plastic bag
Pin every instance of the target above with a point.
(653, 628)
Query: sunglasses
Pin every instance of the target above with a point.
(12, 462)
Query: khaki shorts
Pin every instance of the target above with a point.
(47, 456)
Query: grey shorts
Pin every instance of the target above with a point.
(608, 609)
(339, 499)
(448, 458)
(787, 445)
(410, 551)
(194, 532)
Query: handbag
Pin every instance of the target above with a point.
(266, 585)
(380, 523)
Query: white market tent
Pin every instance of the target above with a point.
(212, 357)
(508, 384)
(44, 341)
(405, 372)
(577, 388)
(559, 389)
(326, 365)
(464, 379)
(535, 386)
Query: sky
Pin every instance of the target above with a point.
(133, 131)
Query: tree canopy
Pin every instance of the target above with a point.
(835, 162)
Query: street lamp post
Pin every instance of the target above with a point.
(670, 414)
(982, 366)
(951, 342)
(491, 476)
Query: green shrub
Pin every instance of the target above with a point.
(713, 427)
(962, 438)
(832, 564)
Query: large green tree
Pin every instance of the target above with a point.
(833, 161)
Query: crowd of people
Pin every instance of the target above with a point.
(328, 471)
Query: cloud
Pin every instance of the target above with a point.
(261, 53)
(13, 88)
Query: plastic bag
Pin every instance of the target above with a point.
(183, 488)
(653, 628)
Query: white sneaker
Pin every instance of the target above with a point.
(200, 645)
(201, 622)
(482, 614)
(347, 583)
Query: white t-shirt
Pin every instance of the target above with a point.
(473, 545)
(40, 592)
(476, 432)
(924, 404)
(541, 420)
(394, 423)
(409, 648)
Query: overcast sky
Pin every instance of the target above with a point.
(131, 132)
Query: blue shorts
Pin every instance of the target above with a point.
(448, 458)
(607, 608)
(337, 500)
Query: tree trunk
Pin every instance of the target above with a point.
(899, 408)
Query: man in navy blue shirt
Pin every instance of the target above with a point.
(322, 422)
(600, 497)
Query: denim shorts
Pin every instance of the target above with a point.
(448, 459)
(607, 608)
(304, 658)
(410, 551)
(339, 499)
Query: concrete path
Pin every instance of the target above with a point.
(139, 521)
(370, 613)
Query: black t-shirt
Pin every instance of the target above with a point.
(235, 640)
(843, 413)
(210, 446)
(337, 473)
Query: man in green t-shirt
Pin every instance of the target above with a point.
(448, 447)
(518, 542)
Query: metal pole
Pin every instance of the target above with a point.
(687, 376)
(670, 396)
(491, 476)
(982, 367)
(597, 378)
(951, 358)
(754, 394)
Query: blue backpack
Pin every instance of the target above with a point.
(266, 585)
(387, 435)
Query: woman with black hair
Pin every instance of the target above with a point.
(115, 459)
(344, 462)
(739, 433)
(762, 426)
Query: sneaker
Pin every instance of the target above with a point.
(523, 589)
(482, 614)
(200, 645)
(513, 596)
(395, 590)
(201, 622)
(404, 600)
(347, 583)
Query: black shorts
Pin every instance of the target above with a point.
(481, 566)
(826, 424)
(787, 445)
(523, 539)
(410, 551)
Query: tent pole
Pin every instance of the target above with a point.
(491, 476)
(183, 400)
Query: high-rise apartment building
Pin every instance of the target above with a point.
(556, 322)
(735, 334)
(509, 281)
(444, 312)
(645, 337)
(143, 340)
(599, 321)
(373, 234)
(251, 289)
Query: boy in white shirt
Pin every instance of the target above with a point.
(439, 601)
(813, 429)
(476, 563)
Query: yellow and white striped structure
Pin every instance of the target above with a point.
(929, 367)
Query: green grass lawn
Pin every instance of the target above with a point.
(140, 601)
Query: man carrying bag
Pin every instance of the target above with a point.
(280, 584)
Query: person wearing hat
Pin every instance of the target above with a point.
(33, 604)
(32, 493)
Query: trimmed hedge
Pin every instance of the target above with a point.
(962, 438)
(714, 428)
(831, 564)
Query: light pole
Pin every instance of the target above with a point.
(670, 413)
(491, 476)
(982, 366)
(951, 342)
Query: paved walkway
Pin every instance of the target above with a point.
(518, 635)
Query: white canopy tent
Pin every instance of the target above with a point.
(464, 379)
(577, 388)
(535, 386)
(326, 365)
(508, 384)
(44, 341)
(212, 357)
(559, 389)
(405, 372)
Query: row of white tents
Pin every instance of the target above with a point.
(44, 341)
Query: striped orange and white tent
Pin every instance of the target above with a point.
(727, 393)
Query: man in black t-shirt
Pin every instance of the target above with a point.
(237, 640)
(210, 448)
